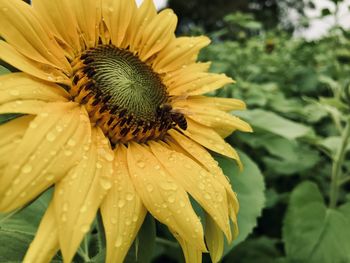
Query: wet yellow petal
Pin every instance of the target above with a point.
(79, 194)
(57, 15)
(191, 253)
(179, 53)
(45, 244)
(198, 182)
(25, 106)
(184, 74)
(200, 83)
(11, 134)
(145, 13)
(157, 34)
(122, 211)
(43, 71)
(202, 156)
(222, 122)
(46, 153)
(162, 196)
(20, 86)
(88, 17)
(210, 139)
(23, 29)
(225, 104)
(117, 15)
(214, 239)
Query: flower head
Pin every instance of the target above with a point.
(115, 118)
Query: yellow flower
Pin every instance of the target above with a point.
(115, 119)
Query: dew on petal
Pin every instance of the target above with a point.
(27, 169)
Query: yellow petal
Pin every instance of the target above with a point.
(117, 15)
(214, 239)
(88, 17)
(222, 122)
(49, 148)
(79, 194)
(157, 34)
(199, 83)
(145, 13)
(225, 104)
(43, 71)
(202, 156)
(25, 106)
(53, 12)
(191, 253)
(22, 28)
(45, 244)
(179, 53)
(122, 211)
(11, 134)
(162, 196)
(198, 182)
(210, 139)
(20, 86)
(184, 74)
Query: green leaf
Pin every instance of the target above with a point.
(313, 232)
(13, 246)
(275, 124)
(7, 117)
(249, 186)
(262, 248)
(332, 144)
(146, 240)
(4, 70)
(18, 229)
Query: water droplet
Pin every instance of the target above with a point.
(201, 186)
(182, 204)
(27, 169)
(83, 209)
(129, 196)
(171, 199)
(64, 217)
(44, 114)
(134, 218)
(50, 137)
(16, 181)
(8, 192)
(98, 165)
(14, 92)
(113, 220)
(50, 177)
(5, 9)
(85, 228)
(127, 222)
(105, 183)
(109, 157)
(33, 125)
(118, 241)
(149, 188)
(71, 142)
(168, 186)
(121, 203)
(207, 196)
(65, 207)
(157, 167)
(23, 194)
(68, 152)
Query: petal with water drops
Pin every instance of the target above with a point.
(122, 210)
(80, 193)
(49, 148)
(45, 244)
(23, 29)
(197, 181)
(167, 201)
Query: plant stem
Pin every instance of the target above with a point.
(337, 165)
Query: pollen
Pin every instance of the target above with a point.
(123, 96)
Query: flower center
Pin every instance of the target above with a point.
(123, 95)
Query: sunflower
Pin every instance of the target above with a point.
(114, 117)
